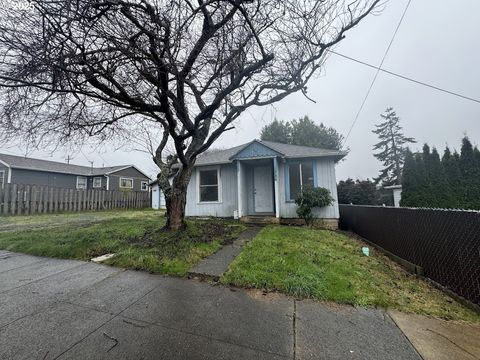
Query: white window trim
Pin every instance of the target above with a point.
(2, 175)
(219, 179)
(124, 187)
(93, 183)
(82, 188)
(141, 185)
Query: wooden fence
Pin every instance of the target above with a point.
(18, 199)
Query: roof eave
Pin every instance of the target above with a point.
(51, 171)
(214, 163)
(126, 167)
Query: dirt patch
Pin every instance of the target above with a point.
(264, 295)
(196, 232)
(213, 231)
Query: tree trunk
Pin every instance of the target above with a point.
(176, 199)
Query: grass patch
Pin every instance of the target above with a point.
(329, 266)
(136, 238)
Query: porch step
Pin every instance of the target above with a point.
(258, 219)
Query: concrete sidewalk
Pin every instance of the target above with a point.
(437, 339)
(59, 309)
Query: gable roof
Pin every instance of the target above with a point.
(20, 162)
(283, 150)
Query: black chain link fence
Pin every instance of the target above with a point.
(445, 243)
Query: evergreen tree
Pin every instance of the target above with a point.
(429, 192)
(438, 180)
(424, 193)
(410, 181)
(453, 182)
(470, 171)
(305, 132)
(391, 148)
(302, 132)
(451, 166)
(476, 153)
(277, 131)
(359, 192)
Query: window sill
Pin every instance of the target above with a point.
(208, 202)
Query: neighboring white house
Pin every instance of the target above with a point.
(158, 200)
(261, 178)
(397, 194)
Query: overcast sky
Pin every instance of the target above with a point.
(438, 43)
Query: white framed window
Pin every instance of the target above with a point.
(209, 185)
(2, 178)
(81, 182)
(126, 183)
(144, 186)
(299, 174)
(97, 182)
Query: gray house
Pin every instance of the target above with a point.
(261, 178)
(29, 171)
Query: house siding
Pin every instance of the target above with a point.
(225, 208)
(130, 173)
(325, 177)
(43, 178)
(69, 181)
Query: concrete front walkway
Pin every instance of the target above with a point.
(59, 309)
(215, 265)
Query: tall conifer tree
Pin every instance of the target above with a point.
(451, 166)
(410, 181)
(391, 148)
(438, 180)
(470, 170)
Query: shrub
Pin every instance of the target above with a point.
(309, 198)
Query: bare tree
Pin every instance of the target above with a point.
(76, 69)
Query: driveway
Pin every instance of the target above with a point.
(63, 309)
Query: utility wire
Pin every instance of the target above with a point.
(378, 71)
(406, 77)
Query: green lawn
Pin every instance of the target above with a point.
(135, 237)
(327, 265)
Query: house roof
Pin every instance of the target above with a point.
(20, 162)
(284, 150)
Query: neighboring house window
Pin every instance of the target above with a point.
(2, 178)
(126, 183)
(97, 182)
(300, 175)
(209, 185)
(144, 186)
(81, 182)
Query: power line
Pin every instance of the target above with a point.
(378, 71)
(406, 77)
